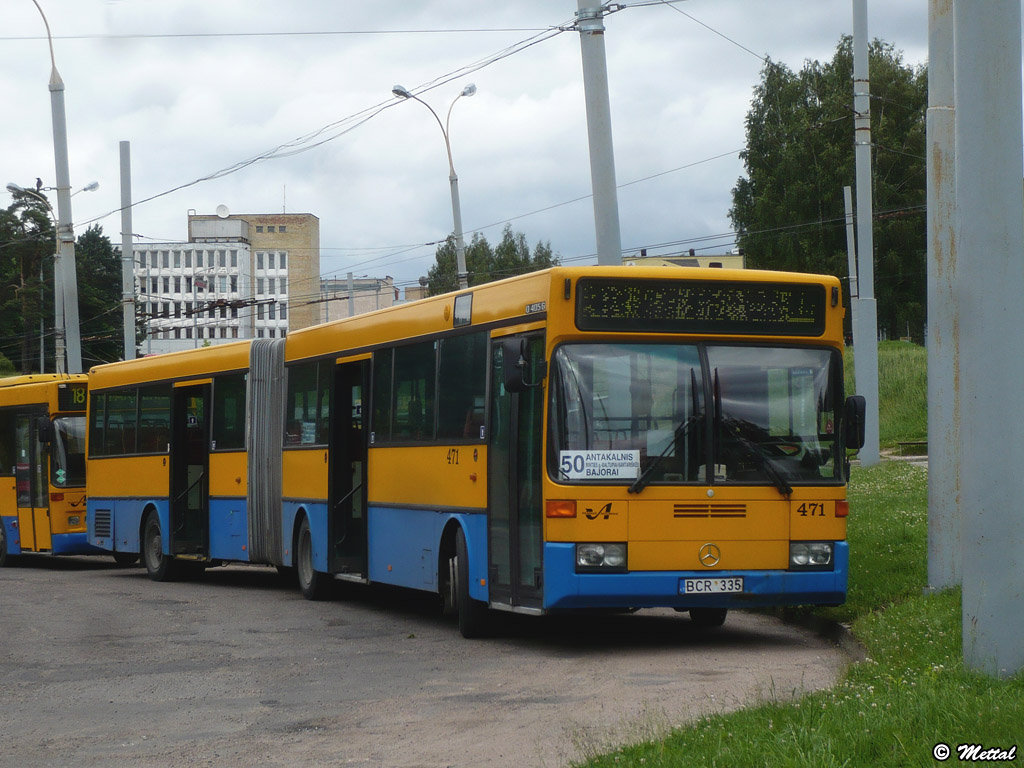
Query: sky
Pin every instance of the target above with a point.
(303, 88)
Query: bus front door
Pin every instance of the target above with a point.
(30, 481)
(515, 524)
(346, 523)
(190, 466)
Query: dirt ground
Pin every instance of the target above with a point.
(100, 666)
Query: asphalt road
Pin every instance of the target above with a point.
(99, 666)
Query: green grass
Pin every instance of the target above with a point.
(902, 391)
(911, 693)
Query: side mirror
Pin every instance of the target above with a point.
(518, 373)
(856, 407)
(44, 430)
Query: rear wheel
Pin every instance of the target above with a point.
(126, 558)
(473, 617)
(159, 566)
(313, 583)
(708, 617)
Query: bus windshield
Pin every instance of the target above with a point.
(67, 452)
(638, 414)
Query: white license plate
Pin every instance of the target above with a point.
(711, 586)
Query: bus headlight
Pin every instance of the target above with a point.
(810, 555)
(600, 557)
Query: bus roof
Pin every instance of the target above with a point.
(171, 366)
(42, 378)
(501, 300)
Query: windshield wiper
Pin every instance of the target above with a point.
(767, 462)
(680, 432)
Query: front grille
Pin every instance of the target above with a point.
(103, 525)
(705, 511)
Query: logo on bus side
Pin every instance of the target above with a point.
(604, 512)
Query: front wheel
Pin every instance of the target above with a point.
(313, 583)
(473, 616)
(159, 566)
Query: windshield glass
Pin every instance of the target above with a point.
(639, 414)
(67, 452)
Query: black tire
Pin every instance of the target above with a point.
(708, 618)
(473, 615)
(159, 566)
(125, 559)
(4, 557)
(313, 583)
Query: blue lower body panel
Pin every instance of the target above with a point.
(229, 530)
(404, 547)
(11, 534)
(316, 513)
(564, 589)
(125, 523)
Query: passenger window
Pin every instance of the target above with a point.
(462, 377)
(414, 392)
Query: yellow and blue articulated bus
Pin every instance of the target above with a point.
(572, 439)
(42, 466)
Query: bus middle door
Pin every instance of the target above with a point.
(190, 468)
(30, 479)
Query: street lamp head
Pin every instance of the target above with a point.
(469, 90)
(92, 186)
(14, 188)
(401, 92)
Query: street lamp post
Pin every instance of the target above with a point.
(58, 293)
(65, 264)
(453, 179)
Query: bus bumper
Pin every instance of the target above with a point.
(564, 589)
(73, 544)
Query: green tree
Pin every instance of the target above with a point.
(26, 252)
(99, 298)
(788, 210)
(509, 257)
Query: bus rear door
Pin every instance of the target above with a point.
(346, 523)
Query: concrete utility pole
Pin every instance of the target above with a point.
(127, 252)
(599, 130)
(944, 446)
(866, 346)
(851, 257)
(990, 233)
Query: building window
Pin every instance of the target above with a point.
(270, 228)
(153, 259)
(272, 311)
(259, 227)
(234, 283)
(188, 259)
(234, 258)
(167, 285)
(283, 260)
(259, 260)
(177, 258)
(284, 285)
(282, 228)
(260, 285)
(234, 312)
(284, 311)
(234, 333)
(177, 285)
(199, 258)
(177, 333)
(271, 285)
(221, 262)
(259, 312)
(270, 261)
(165, 257)
(188, 333)
(222, 282)
(259, 333)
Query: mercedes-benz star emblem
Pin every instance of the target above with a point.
(709, 555)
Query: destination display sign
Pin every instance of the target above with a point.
(71, 397)
(700, 306)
